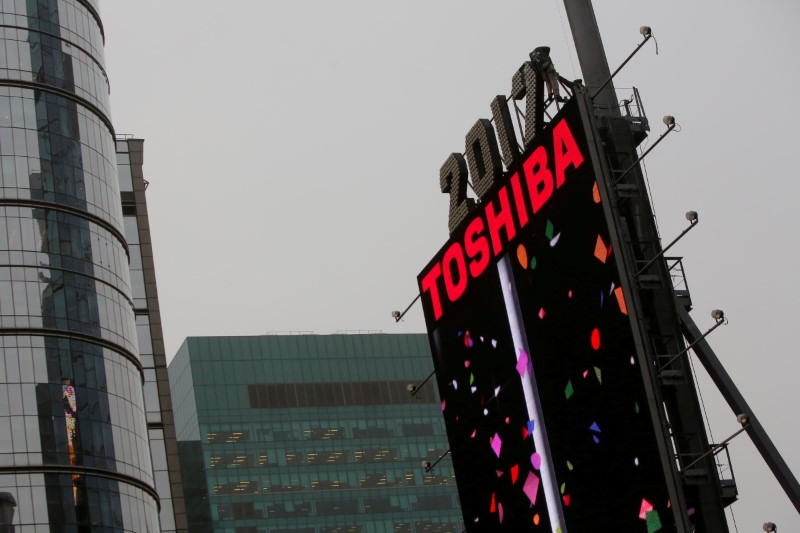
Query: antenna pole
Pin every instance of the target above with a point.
(592, 55)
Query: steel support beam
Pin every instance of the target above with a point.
(739, 405)
(591, 54)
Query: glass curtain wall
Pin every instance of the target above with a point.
(73, 436)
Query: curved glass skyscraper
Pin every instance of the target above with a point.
(74, 452)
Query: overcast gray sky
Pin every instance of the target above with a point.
(293, 151)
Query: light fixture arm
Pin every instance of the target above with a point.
(647, 37)
(432, 466)
(720, 322)
(401, 315)
(692, 224)
(670, 127)
(714, 449)
(418, 387)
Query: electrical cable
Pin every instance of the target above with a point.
(559, 5)
(710, 434)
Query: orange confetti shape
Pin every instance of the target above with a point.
(621, 300)
(596, 193)
(601, 251)
(522, 256)
(536, 519)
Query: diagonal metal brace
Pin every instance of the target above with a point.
(737, 403)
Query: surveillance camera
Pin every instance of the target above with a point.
(743, 419)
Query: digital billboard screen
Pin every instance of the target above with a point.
(541, 386)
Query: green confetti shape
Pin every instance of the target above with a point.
(548, 232)
(599, 374)
(636, 406)
(653, 521)
(533, 263)
(563, 487)
(569, 391)
(471, 378)
(570, 466)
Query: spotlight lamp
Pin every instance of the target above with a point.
(743, 419)
(411, 388)
(770, 527)
(645, 30)
(396, 315)
(718, 315)
(669, 120)
(691, 216)
(426, 464)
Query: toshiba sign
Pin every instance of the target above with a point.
(504, 211)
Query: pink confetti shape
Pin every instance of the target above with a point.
(508, 420)
(585, 373)
(499, 473)
(474, 431)
(466, 364)
(541, 313)
(444, 402)
(569, 294)
(522, 363)
(500, 511)
(531, 487)
(497, 444)
(536, 461)
(646, 508)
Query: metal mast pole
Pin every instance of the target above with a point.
(591, 54)
(657, 332)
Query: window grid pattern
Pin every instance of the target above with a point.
(314, 433)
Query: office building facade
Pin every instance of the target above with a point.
(157, 403)
(312, 434)
(74, 450)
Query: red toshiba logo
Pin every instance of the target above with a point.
(500, 219)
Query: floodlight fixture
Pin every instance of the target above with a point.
(669, 120)
(414, 389)
(718, 315)
(692, 217)
(743, 419)
(646, 31)
(398, 315)
(428, 466)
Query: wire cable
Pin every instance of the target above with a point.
(559, 5)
